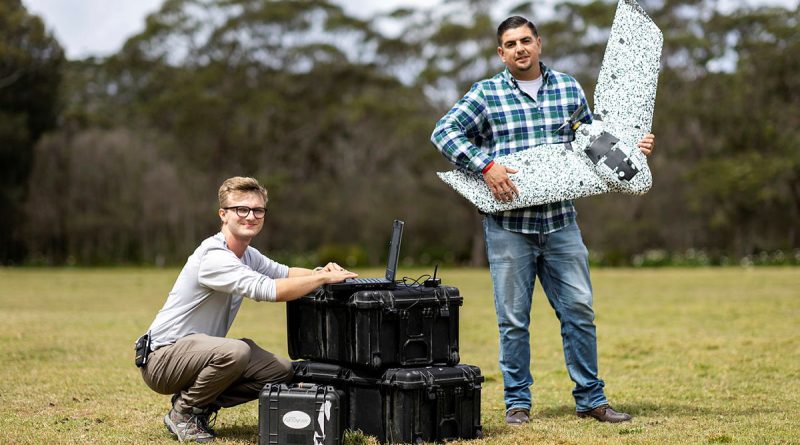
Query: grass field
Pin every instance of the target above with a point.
(701, 356)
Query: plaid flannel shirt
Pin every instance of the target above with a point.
(497, 118)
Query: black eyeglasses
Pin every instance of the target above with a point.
(243, 211)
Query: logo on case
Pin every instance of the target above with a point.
(296, 420)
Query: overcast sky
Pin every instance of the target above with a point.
(100, 27)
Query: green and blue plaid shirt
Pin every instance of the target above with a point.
(497, 118)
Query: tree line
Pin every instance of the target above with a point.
(117, 159)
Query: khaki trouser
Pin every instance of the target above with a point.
(204, 370)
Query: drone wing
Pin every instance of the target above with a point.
(625, 94)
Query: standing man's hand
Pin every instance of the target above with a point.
(647, 144)
(500, 183)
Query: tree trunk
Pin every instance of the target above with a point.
(478, 251)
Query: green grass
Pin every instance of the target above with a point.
(702, 356)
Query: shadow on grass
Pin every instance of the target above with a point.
(647, 409)
(497, 430)
(240, 432)
(249, 433)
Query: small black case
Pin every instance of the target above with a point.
(142, 349)
(300, 414)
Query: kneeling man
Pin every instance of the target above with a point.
(188, 355)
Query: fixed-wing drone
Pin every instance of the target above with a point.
(604, 156)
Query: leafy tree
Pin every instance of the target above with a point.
(283, 91)
(335, 117)
(107, 195)
(30, 70)
(726, 123)
(749, 180)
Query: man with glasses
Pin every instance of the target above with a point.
(188, 355)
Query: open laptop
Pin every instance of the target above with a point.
(388, 281)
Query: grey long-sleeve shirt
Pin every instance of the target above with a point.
(210, 289)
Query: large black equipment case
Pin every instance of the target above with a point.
(376, 329)
(300, 414)
(405, 405)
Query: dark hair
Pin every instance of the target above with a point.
(514, 22)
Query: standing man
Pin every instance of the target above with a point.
(518, 109)
(188, 355)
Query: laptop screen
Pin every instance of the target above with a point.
(394, 250)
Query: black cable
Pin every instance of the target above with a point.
(408, 281)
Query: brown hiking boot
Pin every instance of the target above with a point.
(188, 427)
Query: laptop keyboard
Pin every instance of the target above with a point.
(366, 280)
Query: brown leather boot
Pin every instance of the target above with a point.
(517, 416)
(605, 413)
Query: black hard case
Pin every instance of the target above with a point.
(377, 329)
(300, 414)
(405, 405)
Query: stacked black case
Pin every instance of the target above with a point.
(377, 329)
(405, 405)
(393, 355)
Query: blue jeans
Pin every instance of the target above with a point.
(561, 261)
